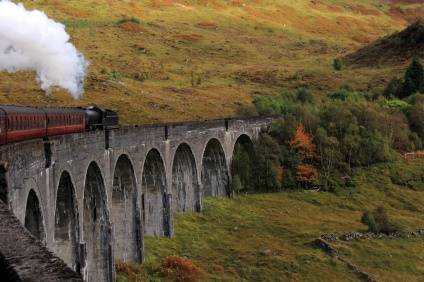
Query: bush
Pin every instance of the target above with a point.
(379, 222)
(180, 269)
(304, 95)
(115, 75)
(397, 104)
(128, 20)
(340, 94)
(273, 105)
(132, 271)
(368, 220)
(338, 64)
(393, 89)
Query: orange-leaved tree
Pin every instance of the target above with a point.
(306, 174)
(303, 144)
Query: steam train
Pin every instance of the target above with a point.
(23, 123)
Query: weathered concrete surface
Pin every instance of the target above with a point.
(154, 194)
(23, 258)
(90, 197)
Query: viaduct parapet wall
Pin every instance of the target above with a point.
(92, 197)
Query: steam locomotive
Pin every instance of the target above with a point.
(23, 123)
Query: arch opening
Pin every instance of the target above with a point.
(33, 216)
(96, 230)
(124, 217)
(214, 170)
(242, 162)
(154, 186)
(185, 187)
(66, 223)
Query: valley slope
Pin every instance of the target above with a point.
(157, 61)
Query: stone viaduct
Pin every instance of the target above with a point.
(91, 197)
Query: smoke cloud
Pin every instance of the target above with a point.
(29, 40)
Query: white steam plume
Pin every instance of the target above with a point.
(29, 40)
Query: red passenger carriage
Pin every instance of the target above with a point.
(21, 123)
(63, 121)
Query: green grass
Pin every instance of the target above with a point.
(266, 237)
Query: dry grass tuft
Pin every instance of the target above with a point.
(134, 272)
(180, 269)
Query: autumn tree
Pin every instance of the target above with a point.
(302, 143)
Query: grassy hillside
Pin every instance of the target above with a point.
(266, 237)
(178, 60)
(393, 49)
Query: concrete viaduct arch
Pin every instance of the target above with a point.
(99, 193)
